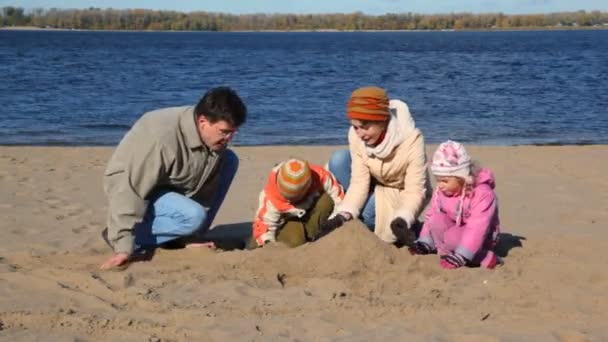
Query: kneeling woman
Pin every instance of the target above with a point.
(384, 171)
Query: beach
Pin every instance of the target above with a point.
(347, 286)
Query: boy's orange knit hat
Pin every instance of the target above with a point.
(368, 104)
(293, 179)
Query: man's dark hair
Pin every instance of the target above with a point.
(222, 104)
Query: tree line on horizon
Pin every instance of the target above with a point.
(143, 19)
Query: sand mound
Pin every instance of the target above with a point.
(352, 255)
(349, 250)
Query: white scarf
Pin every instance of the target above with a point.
(400, 126)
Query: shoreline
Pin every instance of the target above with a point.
(583, 144)
(567, 28)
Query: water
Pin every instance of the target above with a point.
(498, 88)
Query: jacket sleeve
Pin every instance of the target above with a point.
(331, 187)
(425, 233)
(266, 222)
(414, 194)
(477, 227)
(129, 179)
(358, 191)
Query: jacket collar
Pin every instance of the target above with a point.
(187, 124)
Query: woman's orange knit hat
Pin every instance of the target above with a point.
(368, 104)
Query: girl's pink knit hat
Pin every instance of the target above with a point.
(451, 159)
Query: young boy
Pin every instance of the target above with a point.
(297, 198)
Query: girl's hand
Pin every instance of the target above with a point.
(420, 248)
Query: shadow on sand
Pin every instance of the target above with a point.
(230, 236)
(506, 242)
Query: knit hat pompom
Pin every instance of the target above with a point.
(451, 159)
(294, 179)
(368, 104)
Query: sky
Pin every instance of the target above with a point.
(373, 7)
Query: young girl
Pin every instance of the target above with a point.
(462, 223)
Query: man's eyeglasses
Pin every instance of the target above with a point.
(227, 133)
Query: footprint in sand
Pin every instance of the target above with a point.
(19, 232)
(79, 229)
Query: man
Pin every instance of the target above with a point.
(170, 173)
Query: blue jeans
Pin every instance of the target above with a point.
(340, 166)
(171, 215)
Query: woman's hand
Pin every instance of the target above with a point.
(405, 236)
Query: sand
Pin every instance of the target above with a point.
(347, 286)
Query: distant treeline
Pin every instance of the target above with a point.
(142, 19)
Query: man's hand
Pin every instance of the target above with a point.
(405, 236)
(118, 260)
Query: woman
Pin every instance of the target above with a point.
(384, 171)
